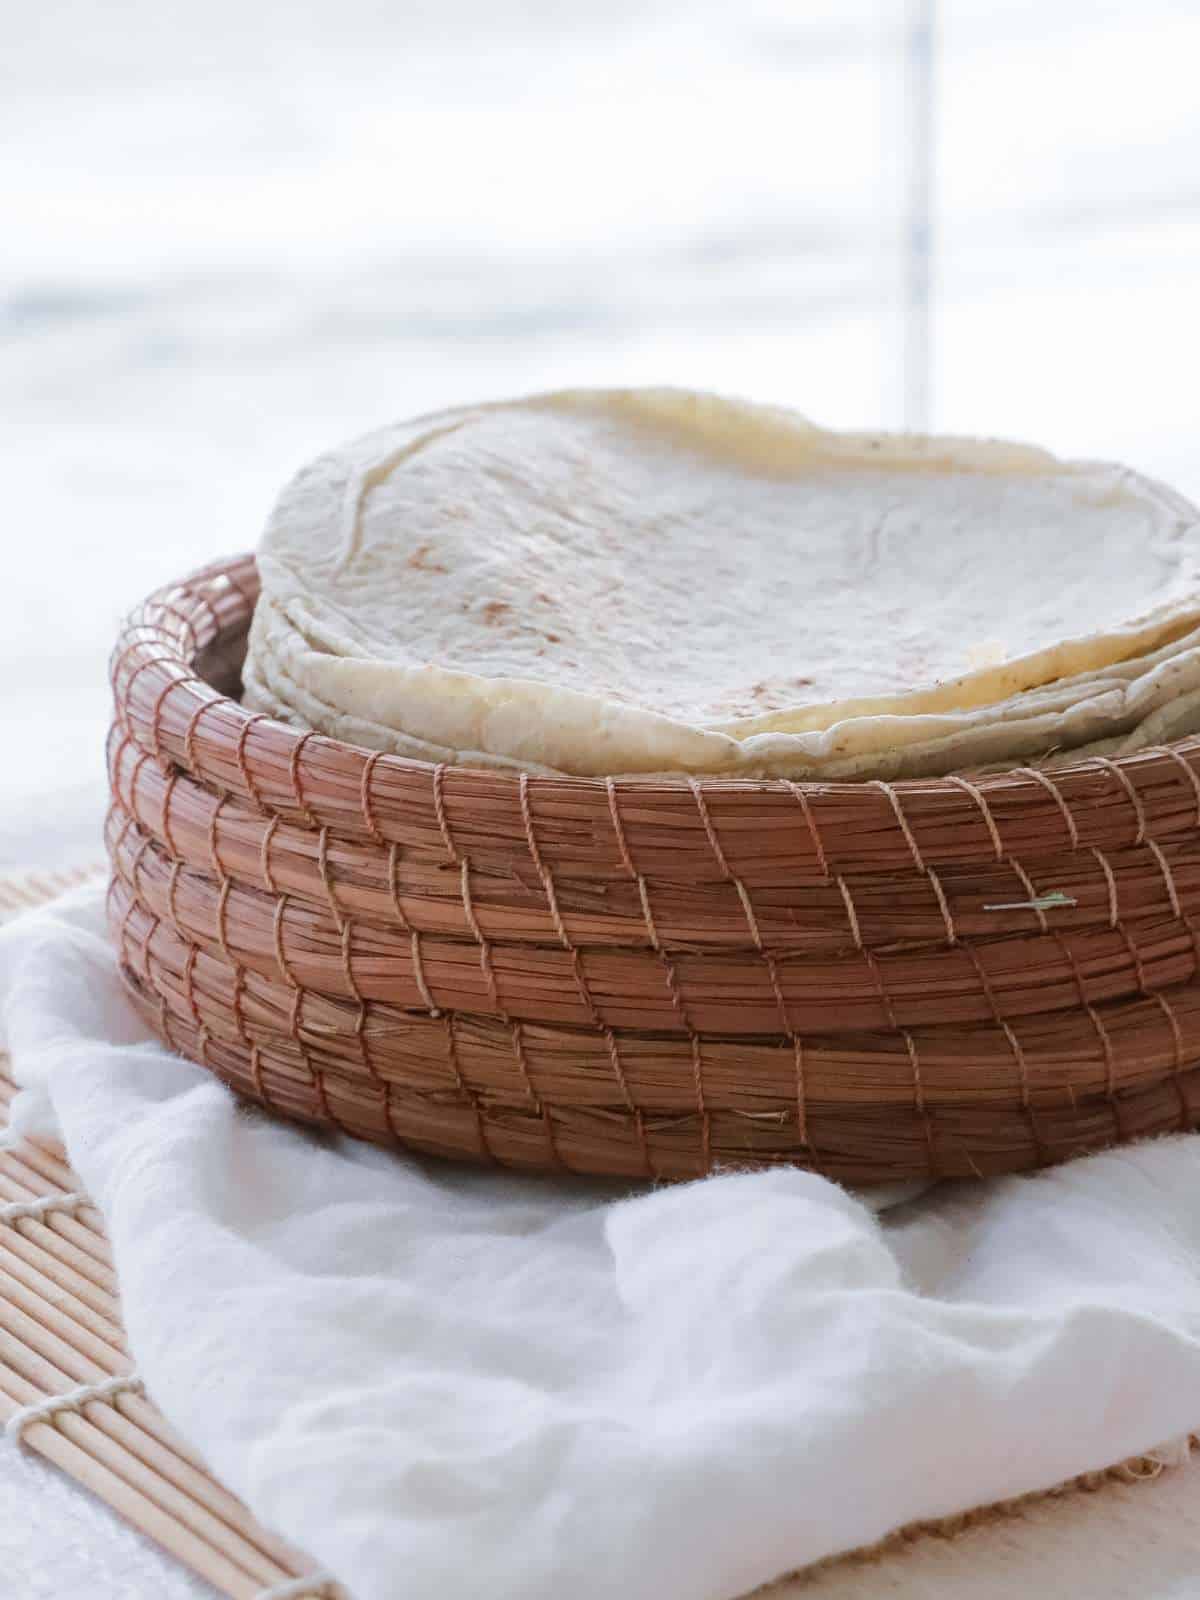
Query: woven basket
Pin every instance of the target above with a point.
(647, 977)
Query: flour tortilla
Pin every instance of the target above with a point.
(656, 581)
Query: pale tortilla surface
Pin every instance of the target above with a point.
(616, 582)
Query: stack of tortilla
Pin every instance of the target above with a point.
(657, 581)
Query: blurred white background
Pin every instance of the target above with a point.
(236, 232)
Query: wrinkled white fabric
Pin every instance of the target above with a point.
(437, 1380)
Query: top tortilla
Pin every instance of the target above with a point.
(657, 581)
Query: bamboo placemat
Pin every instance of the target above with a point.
(60, 1331)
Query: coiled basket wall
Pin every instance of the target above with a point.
(945, 977)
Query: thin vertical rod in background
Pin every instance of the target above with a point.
(919, 54)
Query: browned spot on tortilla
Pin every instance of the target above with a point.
(420, 561)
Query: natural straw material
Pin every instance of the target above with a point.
(647, 977)
(66, 1380)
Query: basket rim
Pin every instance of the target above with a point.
(1150, 793)
(231, 569)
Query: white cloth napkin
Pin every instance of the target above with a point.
(442, 1382)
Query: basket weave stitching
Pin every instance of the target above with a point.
(647, 977)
